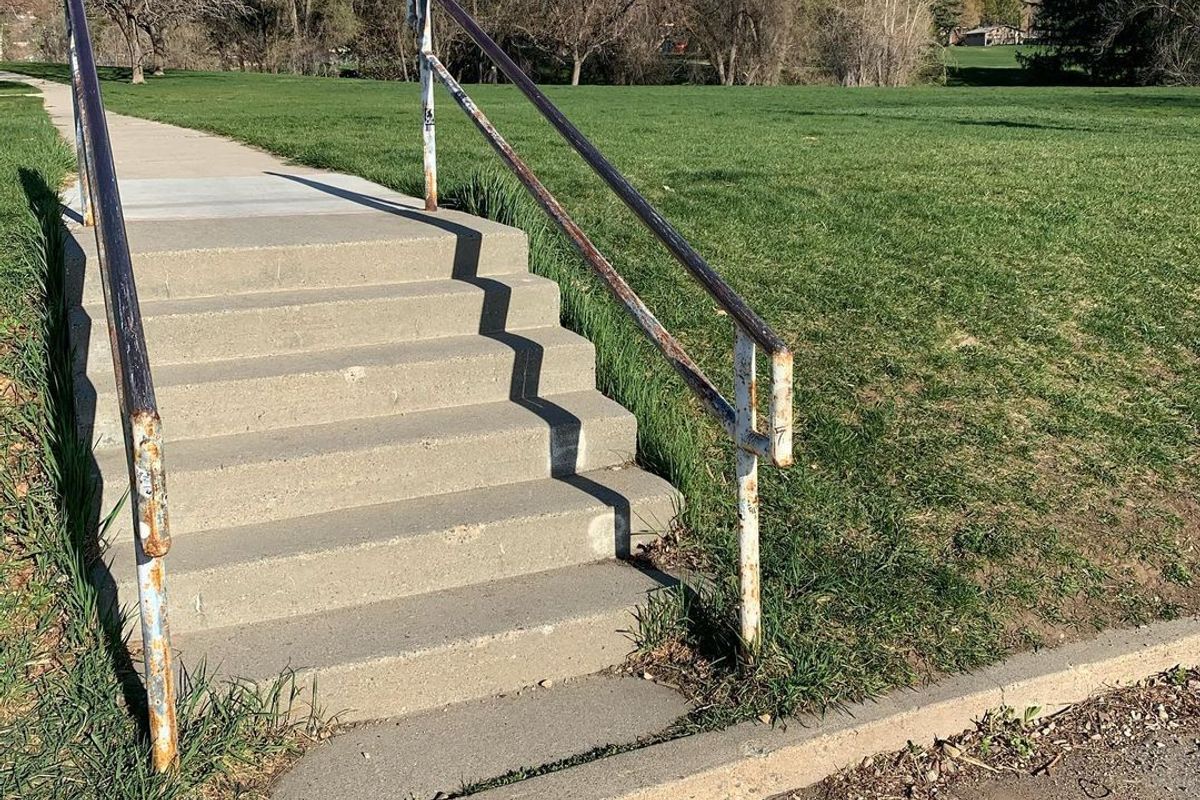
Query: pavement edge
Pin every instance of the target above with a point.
(752, 760)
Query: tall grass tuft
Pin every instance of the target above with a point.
(74, 725)
(676, 439)
(671, 439)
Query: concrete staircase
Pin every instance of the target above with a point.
(388, 466)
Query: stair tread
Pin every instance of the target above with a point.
(356, 435)
(440, 349)
(287, 298)
(434, 753)
(460, 618)
(154, 236)
(364, 526)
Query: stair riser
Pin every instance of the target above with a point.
(198, 273)
(226, 407)
(241, 494)
(311, 583)
(471, 670)
(183, 338)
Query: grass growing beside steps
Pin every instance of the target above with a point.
(70, 714)
(992, 295)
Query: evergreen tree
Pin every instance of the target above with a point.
(1002, 12)
(1120, 41)
(947, 15)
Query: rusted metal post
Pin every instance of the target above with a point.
(744, 377)
(151, 542)
(135, 389)
(425, 21)
(85, 201)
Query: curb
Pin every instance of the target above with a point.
(751, 760)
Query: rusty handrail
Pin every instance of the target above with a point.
(725, 296)
(135, 387)
(738, 419)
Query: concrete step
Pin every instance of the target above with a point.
(200, 257)
(255, 394)
(322, 562)
(435, 753)
(304, 320)
(290, 472)
(415, 653)
(281, 192)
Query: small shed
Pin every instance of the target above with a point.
(988, 35)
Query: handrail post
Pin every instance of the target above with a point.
(429, 138)
(745, 406)
(135, 388)
(739, 419)
(85, 201)
(151, 541)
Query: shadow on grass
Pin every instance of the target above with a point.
(986, 76)
(80, 489)
(1009, 77)
(1008, 123)
(59, 72)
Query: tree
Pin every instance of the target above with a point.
(746, 41)
(160, 17)
(572, 32)
(1002, 12)
(283, 35)
(127, 16)
(876, 42)
(947, 15)
(1121, 41)
(384, 46)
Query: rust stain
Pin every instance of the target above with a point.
(149, 482)
(156, 655)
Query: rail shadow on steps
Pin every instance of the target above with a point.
(524, 385)
(79, 486)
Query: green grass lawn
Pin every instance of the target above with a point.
(72, 712)
(995, 57)
(992, 297)
(998, 66)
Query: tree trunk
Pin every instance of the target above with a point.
(129, 29)
(158, 50)
(295, 20)
(731, 72)
(576, 67)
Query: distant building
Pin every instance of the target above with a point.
(988, 35)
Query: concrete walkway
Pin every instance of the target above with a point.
(145, 149)
(168, 172)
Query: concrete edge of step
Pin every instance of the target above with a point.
(753, 760)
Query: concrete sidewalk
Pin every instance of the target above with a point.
(145, 149)
(168, 172)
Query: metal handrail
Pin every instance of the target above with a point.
(135, 389)
(739, 419)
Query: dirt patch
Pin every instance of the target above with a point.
(1137, 743)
